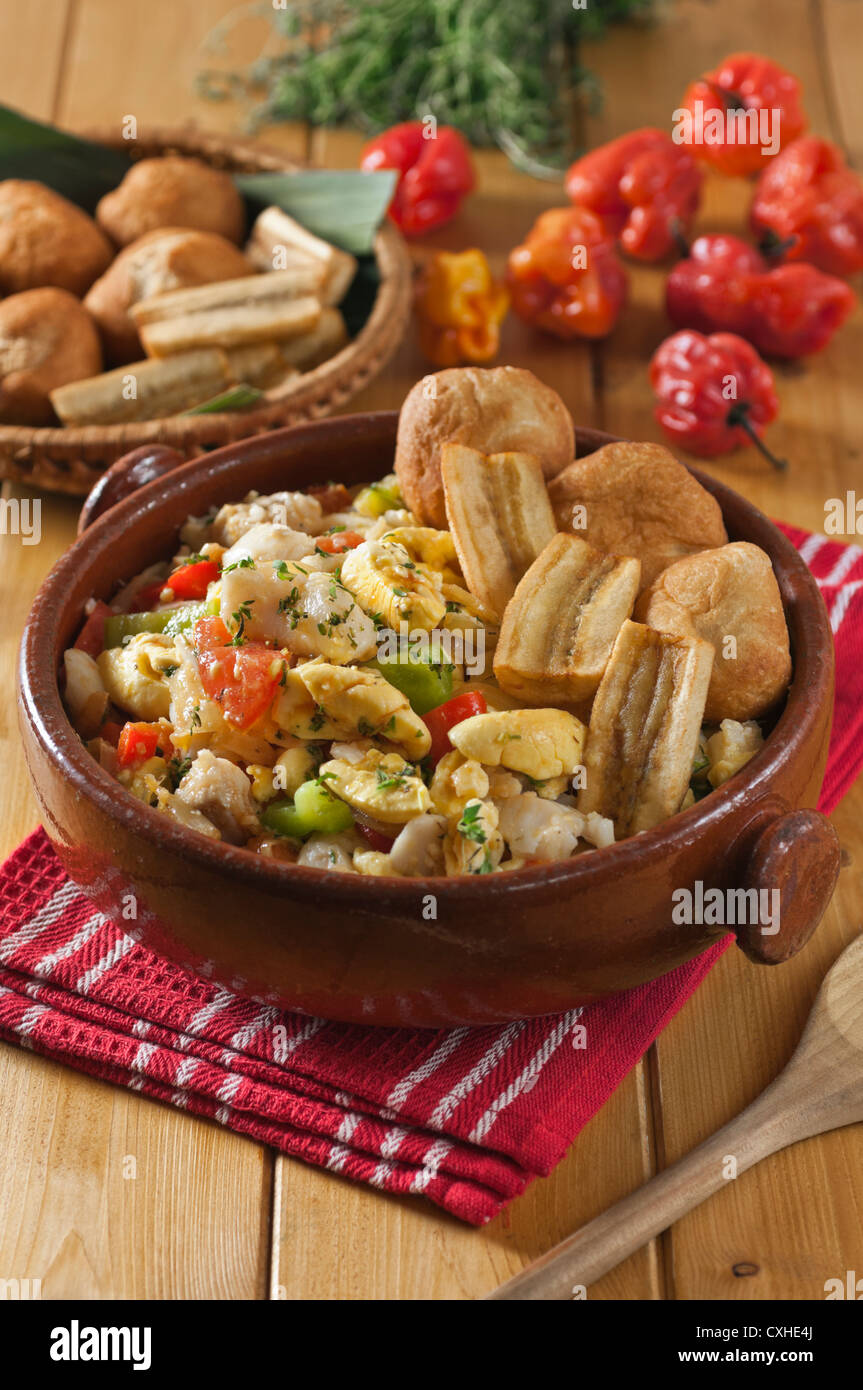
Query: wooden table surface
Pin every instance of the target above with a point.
(212, 1215)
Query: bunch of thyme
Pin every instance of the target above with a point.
(504, 72)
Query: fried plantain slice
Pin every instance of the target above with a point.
(560, 624)
(499, 516)
(644, 728)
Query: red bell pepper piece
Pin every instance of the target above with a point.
(724, 107)
(436, 173)
(726, 286)
(439, 721)
(643, 187)
(338, 542)
(186, 582)
(139, 742)
(566, 277)
(148, 597)
(809, 203)
(192, 581)
(243, 679)
(91, 638)
(375, 839)
(713, 394)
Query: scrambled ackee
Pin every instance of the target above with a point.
(294, 681)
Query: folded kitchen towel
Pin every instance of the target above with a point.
(465, 1116)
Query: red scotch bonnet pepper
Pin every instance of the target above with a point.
(810, 204)
(436, 173)
(565, 277)
(643, 187)
(713, 394)
(724, 285)
(738, 116)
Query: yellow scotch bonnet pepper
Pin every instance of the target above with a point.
(460, 308)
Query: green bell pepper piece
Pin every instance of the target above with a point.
(376, 499)
(184, 617)
(168, 620)
(313, 810)
(425, 684)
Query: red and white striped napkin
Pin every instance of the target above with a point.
(466, 1117)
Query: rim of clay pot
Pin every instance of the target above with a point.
(811, 641)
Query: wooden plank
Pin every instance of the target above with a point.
(104, 1194)
(31, 51)
(337, 1240)
(796, 1218)
(838, 39)
(142, 60)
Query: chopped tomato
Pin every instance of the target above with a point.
(242, 679)
(339, 541)
(192, 581)
(210, 632)
(374, 838)
(91, 638)
(439, 721)
(138, 742)
(110, 731)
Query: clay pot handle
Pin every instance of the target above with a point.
(797, 855)
(125, 476)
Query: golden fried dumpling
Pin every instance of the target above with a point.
(47, 339)
(172, 191)
(636, 499)
(495, 410)
(46, 240)
(730, 598)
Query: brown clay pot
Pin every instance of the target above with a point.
(433, 952)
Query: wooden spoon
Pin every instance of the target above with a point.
(821, 1088)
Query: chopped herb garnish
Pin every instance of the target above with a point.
(470, 826)
(241, 617)
(390, 779)
(177, 769)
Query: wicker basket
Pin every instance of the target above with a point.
(70, 460)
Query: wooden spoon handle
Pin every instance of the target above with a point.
(582, 1258)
